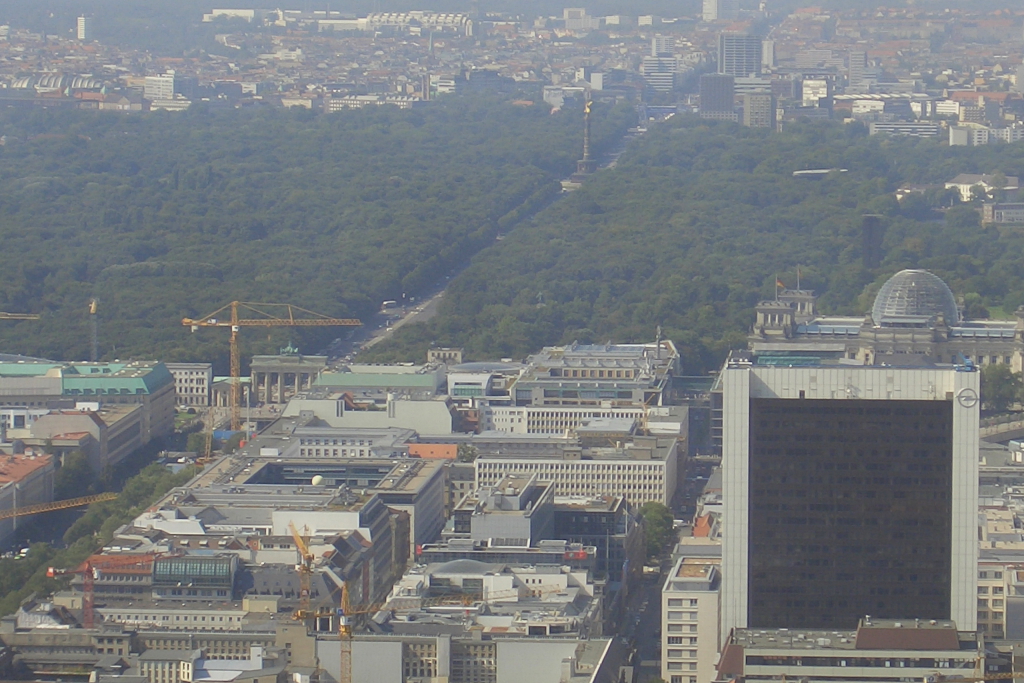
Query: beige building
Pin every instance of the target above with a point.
(689, 621)
(997, 581)
(116, 431)
(214, 644)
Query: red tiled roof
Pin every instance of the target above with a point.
(17, 467)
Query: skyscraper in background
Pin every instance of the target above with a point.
(739, 54)
(855, 76)
(84, 28)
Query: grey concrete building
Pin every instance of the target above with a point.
(516, 511)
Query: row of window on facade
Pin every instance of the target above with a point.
(155, 619)
(679, 679)
(327, 452)
(603, 374)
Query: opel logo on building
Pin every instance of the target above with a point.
(968, 398)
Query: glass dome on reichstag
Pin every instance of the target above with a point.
(913, 297)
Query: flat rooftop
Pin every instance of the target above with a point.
(270, 496)
(589, 503)
(14, 468)
(879, 634)
(696, 567)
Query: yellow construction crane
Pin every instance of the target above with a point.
(305, 575)
(345, 636)
(56, 505)
(19, 316)
(267, 315)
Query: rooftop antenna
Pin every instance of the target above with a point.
(657, 339)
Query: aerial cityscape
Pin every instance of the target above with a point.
(497, 341)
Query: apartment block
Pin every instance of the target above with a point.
(689, 621)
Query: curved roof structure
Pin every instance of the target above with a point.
(913, 297)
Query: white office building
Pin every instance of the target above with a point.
(643, 470)
(84, 28)
(159, 87)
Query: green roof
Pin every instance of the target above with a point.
(27, 369)
(83, 379)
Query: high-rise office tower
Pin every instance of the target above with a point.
(858, 64)
(84, 28)
(849, 491)
(739, 54)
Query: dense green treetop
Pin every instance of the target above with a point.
(696, 221)
(168, 215)
(658, 528)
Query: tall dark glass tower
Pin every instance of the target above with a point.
(849, 490)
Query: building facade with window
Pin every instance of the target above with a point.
(641, 471)
(848, 490)
(689, 621)
(192, 382)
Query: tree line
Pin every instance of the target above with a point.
(697, 221)
(167, 215)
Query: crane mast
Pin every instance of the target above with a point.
(265, 315)
(305, 574)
